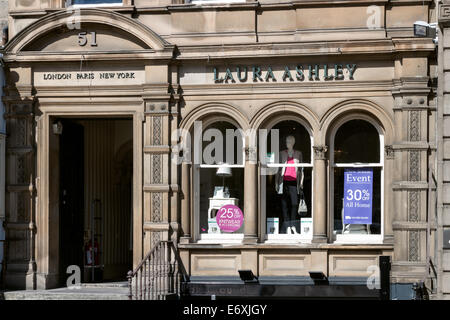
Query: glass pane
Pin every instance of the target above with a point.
(282, 209)
(222, 143)
(217, 191)
(301, 141)
(357, 141)
(339, 226)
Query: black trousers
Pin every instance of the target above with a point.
(289, 205)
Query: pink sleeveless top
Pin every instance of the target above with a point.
(290, 174)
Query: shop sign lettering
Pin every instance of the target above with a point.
(311, 72)
(89, 75)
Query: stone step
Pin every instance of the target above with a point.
(121, 284)
(84, 293)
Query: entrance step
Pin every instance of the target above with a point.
(87, 291)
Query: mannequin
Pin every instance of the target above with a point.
(289, 183)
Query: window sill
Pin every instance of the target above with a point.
(288, 246)
(358, 239)
(221, 238)
(286, 239)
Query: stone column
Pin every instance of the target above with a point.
(320, 195)
(186, 202)
(250, 197)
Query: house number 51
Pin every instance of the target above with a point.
(83, 39)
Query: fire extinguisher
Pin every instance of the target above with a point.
(92, 254)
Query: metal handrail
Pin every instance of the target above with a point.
(159, 276)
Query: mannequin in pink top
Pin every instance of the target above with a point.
(289, 183)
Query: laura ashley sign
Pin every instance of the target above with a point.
(312, 72)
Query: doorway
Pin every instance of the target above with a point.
(95, 197)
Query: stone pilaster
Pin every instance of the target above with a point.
(186, 202)
(320, 195)
(409, 184)
(250, 196)
(443, 153)
(389, 156)
(159, 175)
(20, 225)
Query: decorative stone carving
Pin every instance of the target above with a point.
(414, 125)
(413, 214)
(444, 13)
(414, 165)
(413, 252)
(156, 169)
(157, 136)
(156, 207)
(155, 237)
(251, 154)
(320, 152)
(389, 151)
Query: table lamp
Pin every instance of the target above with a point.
(222, 192)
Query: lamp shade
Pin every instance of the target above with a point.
(223, 172)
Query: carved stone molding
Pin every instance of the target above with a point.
(320, 152)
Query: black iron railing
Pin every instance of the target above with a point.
(159, 276)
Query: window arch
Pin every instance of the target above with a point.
(286, 179)
(357, 180)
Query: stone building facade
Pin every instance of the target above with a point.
(3, 24)
(443, 164)
(347, 79)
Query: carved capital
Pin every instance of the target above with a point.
(251, 154)
(389, 151)
(444, 14)
(320, 152)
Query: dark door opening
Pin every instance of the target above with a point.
(71, 182)
(96, 171)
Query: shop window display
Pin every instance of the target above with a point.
(357, 174)
(220, 179)
(288, 182)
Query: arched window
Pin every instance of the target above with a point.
(218, 180)
(286, 181)
(357, 181)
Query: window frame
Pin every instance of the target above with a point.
(356, 238)
(203, 2)
(205, 238)
(69, 4)
(285, 238)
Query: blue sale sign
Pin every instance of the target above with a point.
(358, 186)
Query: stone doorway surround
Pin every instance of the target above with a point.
(125, 76)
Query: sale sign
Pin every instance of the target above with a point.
(229, 218)
(358, 187)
